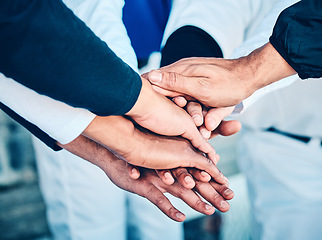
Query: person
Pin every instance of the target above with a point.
(292, 49)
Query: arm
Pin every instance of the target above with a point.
(261, 36)
(52, 120)
(105, 81)
(59, 56)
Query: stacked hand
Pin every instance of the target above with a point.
(149, 184)
(170, 139)
(220, 82)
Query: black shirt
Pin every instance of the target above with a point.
(297, 36)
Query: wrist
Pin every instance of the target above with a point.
(113, 132)
(265, 66)
(140, 107)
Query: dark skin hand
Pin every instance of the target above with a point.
(217, 82)
(150, 185)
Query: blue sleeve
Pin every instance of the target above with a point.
(45, 47)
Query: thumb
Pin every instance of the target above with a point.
(174, 82)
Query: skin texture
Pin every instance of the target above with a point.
(218, 82)
(147, 149)
(217, 126)
(157, 113)
(149, 185)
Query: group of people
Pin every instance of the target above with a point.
(70, 76)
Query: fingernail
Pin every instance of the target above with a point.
(228, 192)
(155, 76)
(204, 174)
(167, 175)
(179, 215)
(188, 179)
(224, 204)
(134, 170)
(197, 119)
(208, 207)
(205, 133)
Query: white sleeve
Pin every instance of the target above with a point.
(225, 21)
(61, 121)
(258, 38)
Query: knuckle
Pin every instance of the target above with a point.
(199, 203)
(181, 190)
(160, 200)
(173, 77)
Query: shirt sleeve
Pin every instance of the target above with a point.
(297, 36)
(45, 47)
(58, 120)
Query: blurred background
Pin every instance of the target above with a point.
(23, 213)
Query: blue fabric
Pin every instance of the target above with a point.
(145, 21)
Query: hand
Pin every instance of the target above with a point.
(211, 121)
(147, 149)
(212, 126)
(186, 177)
(219, 82)
(214, 193)
(158, 114)
(149, 185)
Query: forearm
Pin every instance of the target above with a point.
(59, 56)
(262, 67)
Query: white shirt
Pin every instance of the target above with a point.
(61, 121)
(228, 22)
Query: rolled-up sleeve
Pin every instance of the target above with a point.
(297, 36)
(45, 47)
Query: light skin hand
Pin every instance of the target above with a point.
(216, 126)
(220, 82)
(147, 149)
(157, 113)
(149, 185)
(213, 120)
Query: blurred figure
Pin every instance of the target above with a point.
(15, 151)
(280, 152)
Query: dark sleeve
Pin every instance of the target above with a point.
(297, 36)
(45, 138)
(45, 47)
(200, 44)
